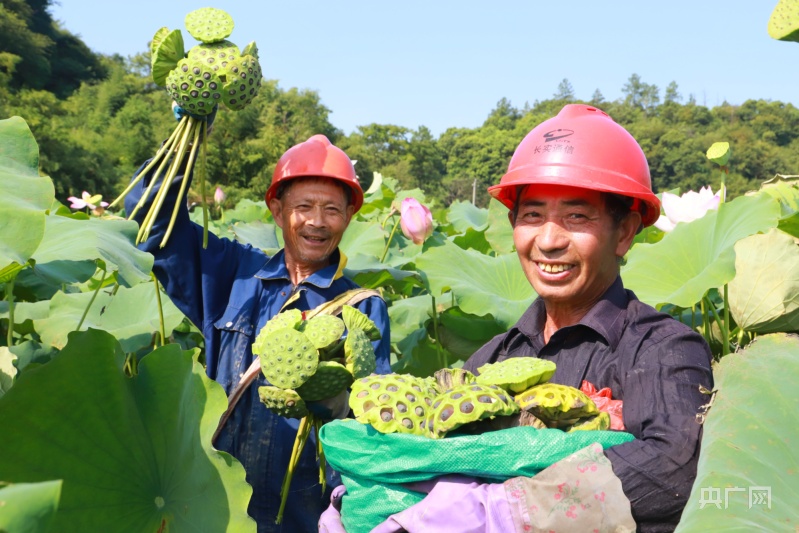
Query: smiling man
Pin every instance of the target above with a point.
(229, 291)
(578, 189)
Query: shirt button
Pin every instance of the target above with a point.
(229, 325)
(282, 293)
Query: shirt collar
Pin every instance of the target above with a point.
(275, 268)
(606, 317)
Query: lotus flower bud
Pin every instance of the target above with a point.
(416, 220)
(219, 196)
(686, 208)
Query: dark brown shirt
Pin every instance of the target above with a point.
(652, 362)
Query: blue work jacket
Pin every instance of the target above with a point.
(229, 291)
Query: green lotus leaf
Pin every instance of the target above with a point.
(369, 272)
(26, 195)
(134, 453)
(29, 507)
(759, 300)
(696, 256)
(786, 191)
(480, 284)
(247, 211)
(719, 153)
(463, 215)
(499, 232)
(168, 49)
(131, 315)
(364, 238)
(462, 334)
(70, 249)
(8, 371)
(783, 24)
(473, 239)
(209, 24)
(408, 315)
(421, 357)
(749, 443)
(258, 234)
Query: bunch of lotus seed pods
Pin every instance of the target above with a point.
(510, 393)
(214, 71)
(308, 361)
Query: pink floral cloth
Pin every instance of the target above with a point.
(578, 493)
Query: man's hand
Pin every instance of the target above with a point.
(179, 113)
(332, 408)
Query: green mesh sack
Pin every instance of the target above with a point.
(374, 465)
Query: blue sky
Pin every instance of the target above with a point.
(446, 63)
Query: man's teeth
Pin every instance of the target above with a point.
(554, 269)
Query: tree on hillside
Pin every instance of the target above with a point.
(503, 116)
(672, 94)
(38, 54)
(565, 91)
(638, 93)
(597, 98)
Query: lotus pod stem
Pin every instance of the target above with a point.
(306, 424)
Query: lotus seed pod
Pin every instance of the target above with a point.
(323, 330)
(288, 358)
(596, 422)
(516, 374)
(209, 24)
(284, 402)
(194, 87)
(291, 318)
(448, 378)
(250, 50)
(783, 24)
(166, 51)
(243, 82)
(467, 403)
(554, 403)
(359, 354)
(528, 419)
(217, 56)
(354, 319)
(330, 379)
(391, 403)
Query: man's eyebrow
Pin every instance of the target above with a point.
(576, 202)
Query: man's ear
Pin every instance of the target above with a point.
(276, 207)
(628, 228)
(350, 212)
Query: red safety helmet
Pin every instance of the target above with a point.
(316, 157)
(581, 147)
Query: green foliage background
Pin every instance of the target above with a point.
(97, 118)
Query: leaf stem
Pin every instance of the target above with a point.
(725, 330)
(167, 144)
(705, 321)
(320, 454)
(201, 177)
(183, 185)
(155, 208)
(443, 358)
(10, 300)
(160, 309)
(86, 311)
(303, 431)
(388, 242)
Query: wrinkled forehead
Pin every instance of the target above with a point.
(536, 194)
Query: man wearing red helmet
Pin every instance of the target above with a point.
(578, 189)
(229, 291)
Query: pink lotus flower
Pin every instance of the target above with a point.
(686, 208)
(416, 220)
(87, 200)
(219, 196)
